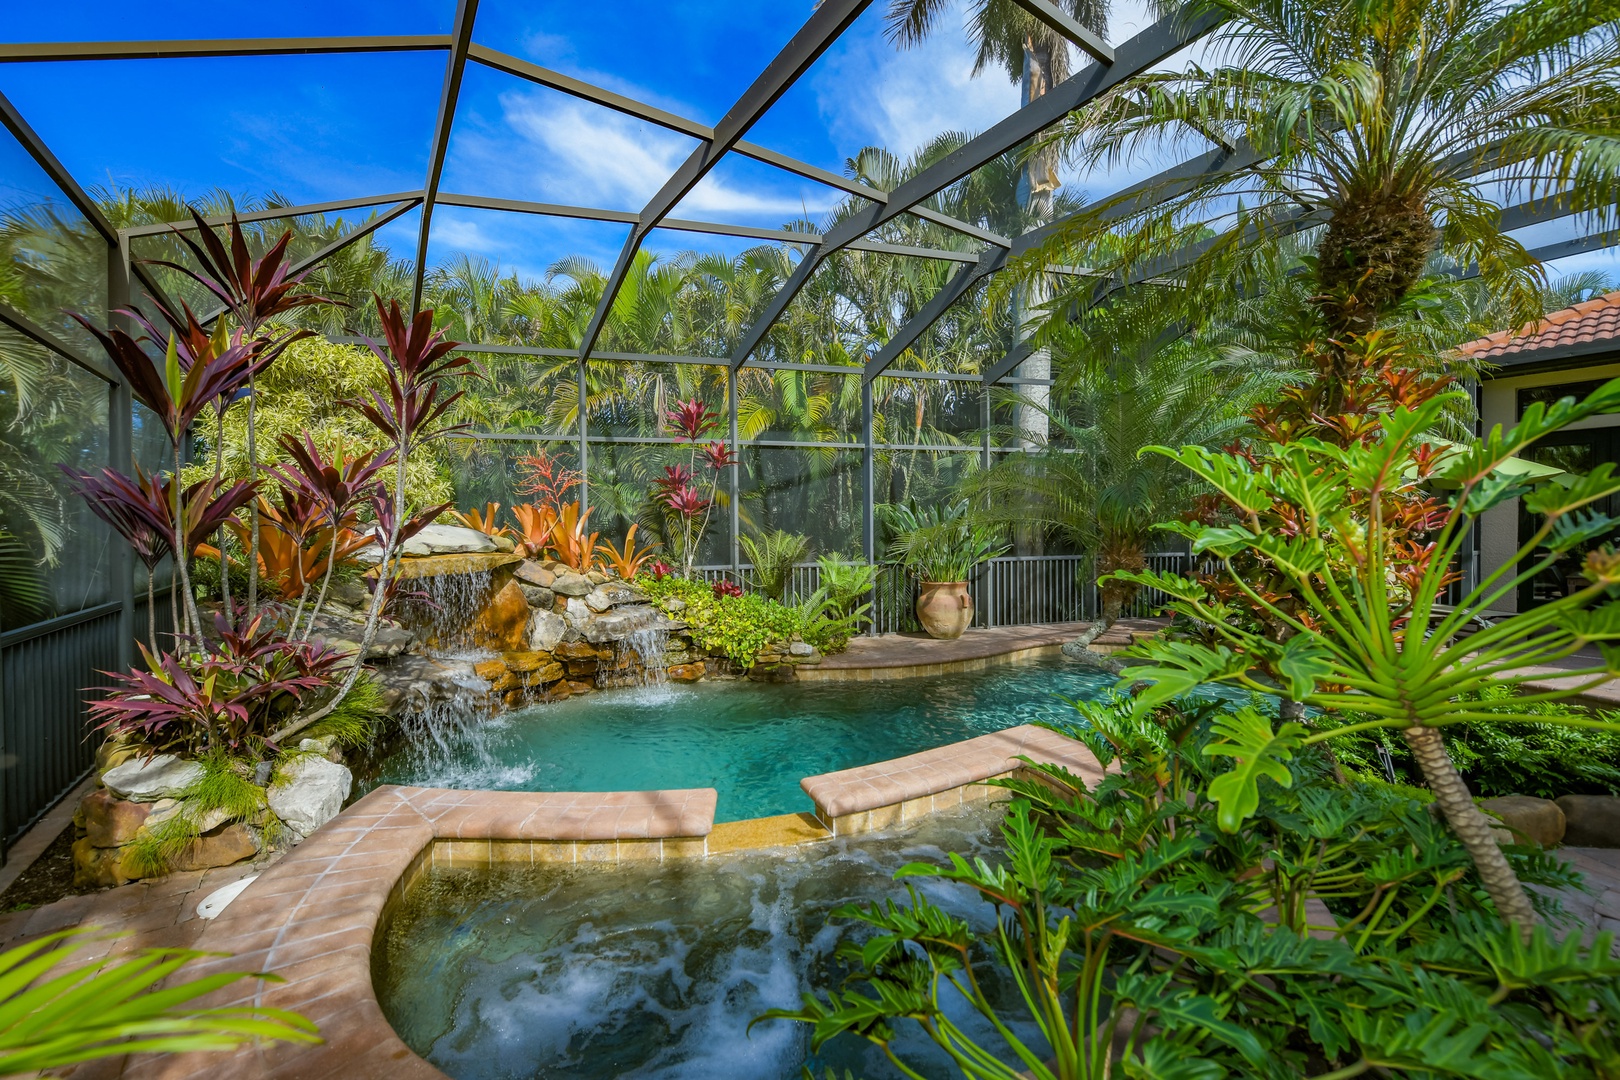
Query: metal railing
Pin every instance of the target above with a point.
(1012, 590)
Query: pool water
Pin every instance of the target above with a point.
(751, 742)
(587, 972)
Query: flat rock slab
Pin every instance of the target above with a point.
(427, 566)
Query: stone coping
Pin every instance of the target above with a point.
(313, 917)
(901, 656)
(943, 769)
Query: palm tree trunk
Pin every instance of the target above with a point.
(1471, 827)
(1372, 252)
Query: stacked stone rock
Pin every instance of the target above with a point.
(140, 791)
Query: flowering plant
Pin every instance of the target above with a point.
(726, 588)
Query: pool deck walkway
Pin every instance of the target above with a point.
(900, 655)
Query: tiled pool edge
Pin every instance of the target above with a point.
(313, 917)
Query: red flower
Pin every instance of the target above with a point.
(660, 570)
(727, 588)
(718, 456)
(692, 419)
(686, 501)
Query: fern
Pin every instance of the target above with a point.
(773, 556)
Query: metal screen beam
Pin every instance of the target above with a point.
(1147, 49)
(1564, 249)
(931, 312)
(28, 328)
(31, 142)
(273, 213)
(823, 27)
(55, 51)
(1065, 24)
(449, 92)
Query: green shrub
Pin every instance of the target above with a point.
(738, 626)
(1142, 940)
(773, 556)
(1543, 760)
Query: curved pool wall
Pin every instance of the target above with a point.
(313, 917)
(751, 742)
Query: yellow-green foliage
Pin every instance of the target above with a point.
(301, 392)
(225, 785)
(356, 718)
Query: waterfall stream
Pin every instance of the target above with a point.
(445, 613)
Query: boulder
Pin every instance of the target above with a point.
(804, 650)
(611, 595)
(505, 543)
(686, 672)
(1527, 819)
(539, 598)
(622, 622)
(222, 847)
(1591, 820)
(533, 573)
(149, 779)
(98, 868)
(109, 821)
(164, 809)
(546, 630)
(309, 793)
(448, 540)
(498, 564)
(575, 611)
(571, 584)
(672, 604)
(116, 750)
(503, 624)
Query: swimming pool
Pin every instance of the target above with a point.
(594, 971)
(751, 742)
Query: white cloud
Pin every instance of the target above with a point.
(554, 149)
(871, 93)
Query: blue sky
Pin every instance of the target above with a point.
(314, 128)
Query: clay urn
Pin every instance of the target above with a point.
(945, 608)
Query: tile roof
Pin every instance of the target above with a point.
(1596, 320)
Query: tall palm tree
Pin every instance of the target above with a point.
(1404, 119)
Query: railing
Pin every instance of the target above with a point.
(47, 673)
(49, 670)
(1013, 590)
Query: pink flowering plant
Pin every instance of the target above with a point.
(686, 493)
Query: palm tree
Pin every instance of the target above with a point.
(1400, 118)
(1122, 385)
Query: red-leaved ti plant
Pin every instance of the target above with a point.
(680, 490)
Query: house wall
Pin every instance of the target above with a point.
(1499, 527)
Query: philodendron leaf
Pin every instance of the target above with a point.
(1175, 668)
(1304, 662)
(1256, 751)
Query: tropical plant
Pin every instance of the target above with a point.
(833, 613)
(773, 557)
(253, 291)
(721, 617)
(481, 520)
(1120, 387)
(628, 560)
(546, 478)
(178, 392)
(1366, 562)
(1544, 760)
(1401, 119)
(53, 1015)
(940, 543)
(418, 367)
(1337, 932)
(574, 547)
(534, 528)
(230, 698)
(334, 489)
(679, 490)
(24, 596)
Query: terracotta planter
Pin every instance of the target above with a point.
(944, 608)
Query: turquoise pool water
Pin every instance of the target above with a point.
(751, 742)
(654, 970)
